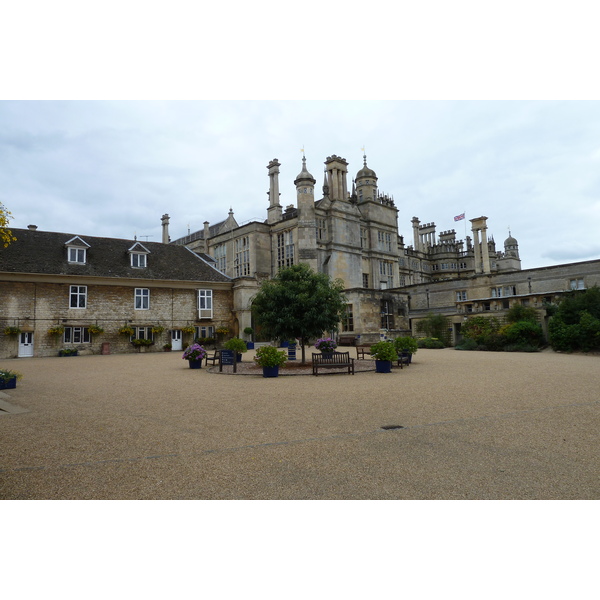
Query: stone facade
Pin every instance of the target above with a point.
(41, 289)
(349, 233)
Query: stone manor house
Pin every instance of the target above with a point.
(195, 285)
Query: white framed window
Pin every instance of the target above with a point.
(142, 333)
(76, 335)
(142, 299)
(138, 260)
(461, 295)
(205, 304)
(77, 255)
(205, 331)
(78, 296)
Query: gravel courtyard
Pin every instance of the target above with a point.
(469, 425)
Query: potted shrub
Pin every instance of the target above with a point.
(270, 359)
(384, 353)
(325, 345)
(249, 344)
(237, 345)
(8, 379)
(167, 347)
(406, 346)
(194, 354)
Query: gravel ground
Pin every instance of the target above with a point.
(145, 426)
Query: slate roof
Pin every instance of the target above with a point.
(45, 252)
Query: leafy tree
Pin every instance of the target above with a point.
(6, 236)
(299, 303)
(576, 323)
(435, 326)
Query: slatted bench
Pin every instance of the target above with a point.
(361, 351)
(335, 360)
(347, 340)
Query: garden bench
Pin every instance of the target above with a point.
(403, 359)
(333, 360)
(214, 358)
(347, 340)
(361, 351)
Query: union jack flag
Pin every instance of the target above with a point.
(459, 217)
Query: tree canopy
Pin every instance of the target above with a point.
(6, 236)
(299, 304)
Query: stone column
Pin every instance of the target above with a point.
(165, 229)
(485, 251)
(477, 249)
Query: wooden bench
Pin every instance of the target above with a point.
(347, 340)
(361, 351)
(214, 358)
(335, 360)
(403, 359)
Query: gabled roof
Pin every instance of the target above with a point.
(44, 252)
(137, 247)
(76, 241)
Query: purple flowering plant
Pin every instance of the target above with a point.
(194, 352)
(326, 344)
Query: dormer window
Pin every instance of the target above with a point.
(138, 260)
(139, 254)
(77, 250)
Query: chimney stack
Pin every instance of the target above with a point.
(32, 227)
(165, 229)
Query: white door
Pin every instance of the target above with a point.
(25, 344)
(176, 339)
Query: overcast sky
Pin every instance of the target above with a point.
(113, 168)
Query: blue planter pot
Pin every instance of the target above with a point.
(10, 384)
(250, 345)
(270, 371)
(195, 364)
(383, 366)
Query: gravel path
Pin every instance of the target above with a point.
(144, 426)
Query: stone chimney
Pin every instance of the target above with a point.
(32, 227)
(165, 229)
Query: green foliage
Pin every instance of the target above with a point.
(384, 350)
(142, 342)
(406, 344)
(7, 375)
(467, 344)
(522, 313)
(476, 328)
(524, 333)
(269, 356)
(205, 341)
(6, 235)
(430, 342)
(237, 345)
(435, 326)
(298, 303)
(576, 323)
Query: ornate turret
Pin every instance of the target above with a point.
(366, 183)
(307, 237)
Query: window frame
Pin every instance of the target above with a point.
(72, 332)
(142, 298)
(205, 303)
(79, 295)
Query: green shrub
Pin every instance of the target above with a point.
(405, 344)
(467, 344)
(435, 326)
(524, 333)
(494, 341)
(430, 342)
(476, 328)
